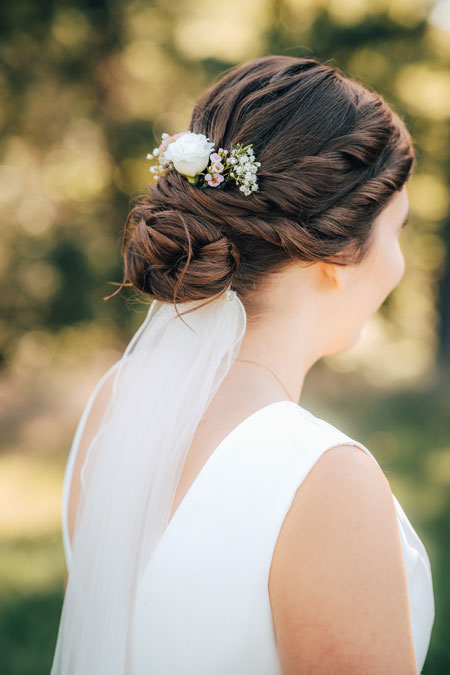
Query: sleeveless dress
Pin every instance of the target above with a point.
(203, 604)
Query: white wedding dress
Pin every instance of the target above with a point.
(203, 603)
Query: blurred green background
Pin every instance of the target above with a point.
(86, 90)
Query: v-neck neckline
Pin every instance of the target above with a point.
(217, 451)
(220, 448)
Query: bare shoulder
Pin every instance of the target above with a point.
(337, 583)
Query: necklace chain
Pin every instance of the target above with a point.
(270, 371)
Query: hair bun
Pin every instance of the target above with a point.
(175, 255)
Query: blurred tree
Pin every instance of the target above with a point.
(87, 87)
(443, 306)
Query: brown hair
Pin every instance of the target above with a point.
(332, 153)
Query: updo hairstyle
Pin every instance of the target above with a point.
(332, 154)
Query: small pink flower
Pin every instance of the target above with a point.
(215, 157)
(214, 179)
(216, 167)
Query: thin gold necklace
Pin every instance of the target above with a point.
(270, 371)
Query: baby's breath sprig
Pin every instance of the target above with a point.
(243, 167)
(158, 154)
(238, 164)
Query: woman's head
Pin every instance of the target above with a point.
(332, 155)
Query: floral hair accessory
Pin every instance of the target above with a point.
(192, 155)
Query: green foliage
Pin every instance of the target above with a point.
(87, 89)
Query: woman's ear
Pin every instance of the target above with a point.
(331, 275)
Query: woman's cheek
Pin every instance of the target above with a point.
(400, 263)
(394, 266)
(391, 271)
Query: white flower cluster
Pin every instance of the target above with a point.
(243, 168)
(192, 155)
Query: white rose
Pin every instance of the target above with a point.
(189, 153)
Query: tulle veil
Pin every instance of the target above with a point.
(161, 387)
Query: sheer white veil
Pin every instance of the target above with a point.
(162, 386)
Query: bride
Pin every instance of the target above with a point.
(211, 524)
